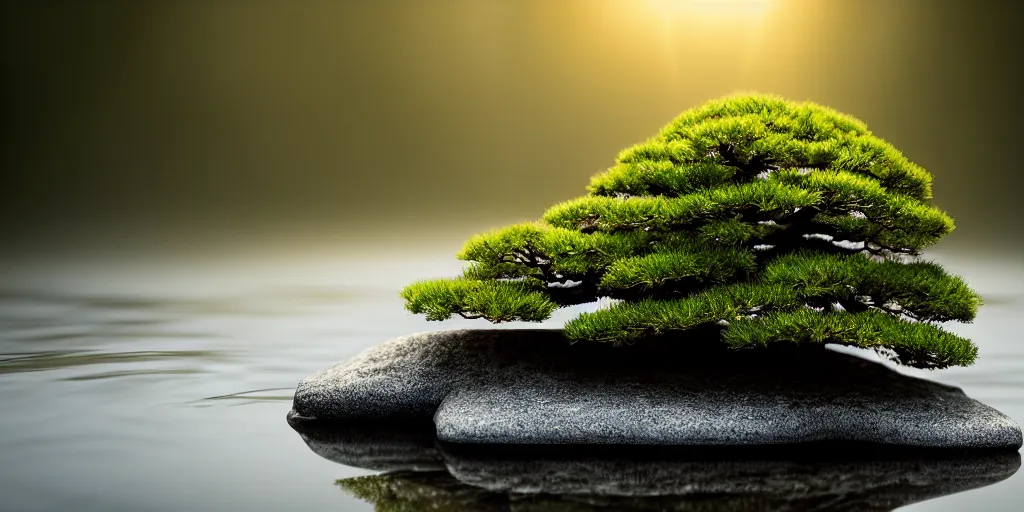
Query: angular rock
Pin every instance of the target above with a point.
(534, 387)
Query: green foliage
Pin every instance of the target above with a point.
(497, 301)
(534, 250)
(882, 217)
(914, 343)
(922, 290)
(659, 177)
(676, 271)
(850, 208)
(761, 219)
(747, 131)
(628, 322)
(763, 199)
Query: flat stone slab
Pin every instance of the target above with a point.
(534, 387)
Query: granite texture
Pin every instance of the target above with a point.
(563, 478)
(534, 387)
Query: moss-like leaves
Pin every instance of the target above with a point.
(920, 290)
(913, 343)
(627, 322)
(676, 271)
(497, 301)
(766, 220)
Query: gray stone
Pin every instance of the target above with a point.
(534, 387)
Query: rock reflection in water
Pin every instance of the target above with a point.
(420, 473)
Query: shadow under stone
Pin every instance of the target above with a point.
(422, 473)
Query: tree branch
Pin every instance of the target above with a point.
(582, 293)
(851, 305)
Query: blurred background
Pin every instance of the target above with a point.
(158, 124)
(204, 201)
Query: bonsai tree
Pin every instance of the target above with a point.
(752, 218)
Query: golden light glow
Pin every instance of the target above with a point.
(723, 36)
(740, 8)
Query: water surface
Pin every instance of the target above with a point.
(162, 383)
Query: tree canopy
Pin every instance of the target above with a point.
(762, 219)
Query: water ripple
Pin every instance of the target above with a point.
(53, 360)
(252, 396)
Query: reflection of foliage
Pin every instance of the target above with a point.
(439, 491)
(543, 478)
(412, 491)
(855, 478)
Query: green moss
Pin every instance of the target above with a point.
(749, 214)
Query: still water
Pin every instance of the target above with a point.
(162, 383)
